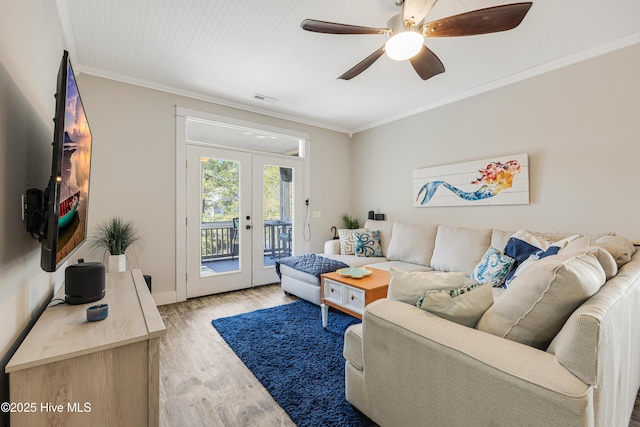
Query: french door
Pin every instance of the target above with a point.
(244, 211)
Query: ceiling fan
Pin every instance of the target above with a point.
(407, 30)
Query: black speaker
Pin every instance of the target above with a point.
(147, 279)
(379, 217)
(84, 282)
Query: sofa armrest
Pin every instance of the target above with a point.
(332, 247)
(411, 355)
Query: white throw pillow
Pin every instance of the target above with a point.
(463, 305)
(584, 244)
(408, 286)
(412, 243)
(619, 247)
(347, 243)
(459, 248)
(541, 298)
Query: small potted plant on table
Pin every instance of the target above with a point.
(114, 236)
(349, 222)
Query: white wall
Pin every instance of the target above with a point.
(134, 173)
(580, 126)
(31, 47)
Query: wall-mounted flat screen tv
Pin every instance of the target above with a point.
(66, 198)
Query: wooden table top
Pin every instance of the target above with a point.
(378, 278)
(63, 332)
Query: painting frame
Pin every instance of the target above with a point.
(500, 180)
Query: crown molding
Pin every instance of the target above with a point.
(201, 97)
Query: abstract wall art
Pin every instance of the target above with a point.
(494, 181)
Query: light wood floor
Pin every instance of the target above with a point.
(203, 383)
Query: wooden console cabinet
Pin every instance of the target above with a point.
(71, 372)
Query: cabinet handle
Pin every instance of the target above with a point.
(353, 297)
(333, 290)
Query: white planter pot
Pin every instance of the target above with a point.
(117, 263)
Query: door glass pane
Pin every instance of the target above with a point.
(277, 213)
(219, 223)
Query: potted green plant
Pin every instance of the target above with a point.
(115, 236)
(350, 222)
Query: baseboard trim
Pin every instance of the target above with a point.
(165, 298)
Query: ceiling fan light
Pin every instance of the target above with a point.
(404, 45)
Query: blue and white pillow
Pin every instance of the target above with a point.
(367, 244)
(493, 267)
(524, 245)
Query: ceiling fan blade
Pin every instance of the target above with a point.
(481, 21)
(426, 63)
(414, 11)
(335, 28)
(363, 65)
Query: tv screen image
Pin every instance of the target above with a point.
(76, 166)
(67, 196)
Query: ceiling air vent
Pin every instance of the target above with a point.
(264, 98)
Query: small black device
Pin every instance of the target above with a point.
(379, 217)
(84, 282)
(370, 215)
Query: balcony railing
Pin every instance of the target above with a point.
(218, 239)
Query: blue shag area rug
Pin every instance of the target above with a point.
(296, 360)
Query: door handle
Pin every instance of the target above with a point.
(248, 227)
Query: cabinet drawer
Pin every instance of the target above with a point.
(333, 291)
(353, 299)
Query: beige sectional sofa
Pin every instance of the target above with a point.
(581, 367)
(559, 347)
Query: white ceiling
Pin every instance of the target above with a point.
(226, 51)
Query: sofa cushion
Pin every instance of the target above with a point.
(367, 243)
(540, 299)
(462, 305)
(347, 244)
(353, 345)
(399, 265)
(605, 259)
(619, 247)
(412, 243)
(459, 248)
(355, 261)
(408, 286)
(493, 267)
(500, 238)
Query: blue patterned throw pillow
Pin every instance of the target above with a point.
(367, 243)
(493, 267)
(523, 245)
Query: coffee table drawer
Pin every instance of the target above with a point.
(353, 299)
(333, 291)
